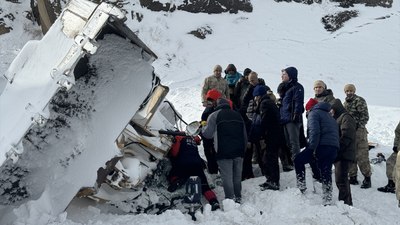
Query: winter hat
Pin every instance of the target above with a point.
(217, 67)
(292, 73)
(349, 87)
(318, 83)
(230, 67)
(213, 94)
(311, 104)
(259, 90)
(246, 72)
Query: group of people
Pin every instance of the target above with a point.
(243, 119)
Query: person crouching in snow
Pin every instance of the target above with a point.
(323, 144)
(227, 128)
(186, 162)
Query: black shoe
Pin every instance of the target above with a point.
(366, 183)
(214, 204)
(354, 181)
(269, 186)
(238, 200)
(389, 188)
(287, 168)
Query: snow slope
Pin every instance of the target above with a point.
(365, 52)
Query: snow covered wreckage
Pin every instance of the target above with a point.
(81, 113)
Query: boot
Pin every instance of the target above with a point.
(214, 204)
(327, 194)
(269, 186)
(353, 180)
(390, 187)
(366, 183)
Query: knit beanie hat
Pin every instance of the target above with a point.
(246, 72)
(213, 94)
(311, 104)
(259, 90)
(217, 67)
(292, 73)
(320, 83)
(349, 87)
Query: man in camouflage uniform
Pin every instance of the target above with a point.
(390, 164)
(215, 81)
(357, 107)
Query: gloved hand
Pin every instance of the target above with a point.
(395, 149)
(203, 123)
(296, 118)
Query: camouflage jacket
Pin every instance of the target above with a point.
(212, 82)
(397, 136)
(357, 107)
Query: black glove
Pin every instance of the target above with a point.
(395, 149)
(296, 118)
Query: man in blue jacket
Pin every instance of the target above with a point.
(323, 145)
(291, 110)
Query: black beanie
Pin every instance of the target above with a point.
(246, 72)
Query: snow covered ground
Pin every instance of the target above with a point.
(365, 52)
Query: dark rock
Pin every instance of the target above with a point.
(201, 32)
(204, 6)
(336, 21)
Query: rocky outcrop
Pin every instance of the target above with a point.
(336, 21)
(201, 6)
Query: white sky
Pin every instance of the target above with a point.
(365, 52)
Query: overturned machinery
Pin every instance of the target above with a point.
(80, 115)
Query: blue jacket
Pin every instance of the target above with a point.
(322, 128)
(292, 102)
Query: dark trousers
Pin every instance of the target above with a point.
(304, 157)
(210, 154)
(321, 165)
(342, 181)
(271, 160)
(247, 171)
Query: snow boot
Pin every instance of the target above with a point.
(327, 194)
(214, 204)
(389, 188)
(267, 185)
(287, 168)
(353, 180)
(366, 183)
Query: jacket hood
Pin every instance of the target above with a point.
(223, 104)
(338, 107)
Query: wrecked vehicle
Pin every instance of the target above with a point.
(80, 116)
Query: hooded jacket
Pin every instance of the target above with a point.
(347, 132)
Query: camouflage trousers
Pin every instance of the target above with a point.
(390, 166)
(362, 155)
(397, 176)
